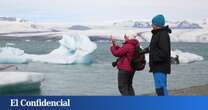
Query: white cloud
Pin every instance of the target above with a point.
(85, 10)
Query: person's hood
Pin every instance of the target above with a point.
(166, 28)
(132, 41)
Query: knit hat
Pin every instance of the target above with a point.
(159, 20)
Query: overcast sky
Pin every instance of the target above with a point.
(81, 11)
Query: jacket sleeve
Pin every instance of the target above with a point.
(119, 51)
(164, 46)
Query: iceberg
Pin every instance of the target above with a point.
(19, 81)
(74, 49)
(10, 55)
(184, 57)
(10, 44)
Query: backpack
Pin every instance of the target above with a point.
(138, 62)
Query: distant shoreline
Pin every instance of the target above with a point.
(31, 35)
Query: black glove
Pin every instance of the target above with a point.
(114, 64)
(145, 50)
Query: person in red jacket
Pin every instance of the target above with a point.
(125, 54)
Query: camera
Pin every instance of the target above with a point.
(114, 63)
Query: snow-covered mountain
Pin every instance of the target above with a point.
(183, 31)
(132, 23)
(79, 27)
(12, 19)
(142, 24)
(12, 26)
(129, 23)
(183, 25)
(145, 24)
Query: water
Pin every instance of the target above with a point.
(100, 78)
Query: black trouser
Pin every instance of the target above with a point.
(125, 83)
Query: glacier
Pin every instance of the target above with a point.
(73, 49)
(183, 31)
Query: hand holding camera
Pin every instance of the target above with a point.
(112, 41)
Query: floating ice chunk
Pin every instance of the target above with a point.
(19, 81)
(10, 55)
(73, 49)
(27, 40)
(184, 57)
(9, 44)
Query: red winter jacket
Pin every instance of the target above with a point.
(125, 54)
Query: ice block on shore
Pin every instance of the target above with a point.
(19, 81)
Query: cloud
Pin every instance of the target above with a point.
(84, 10)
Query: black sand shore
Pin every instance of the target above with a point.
(191, 91)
